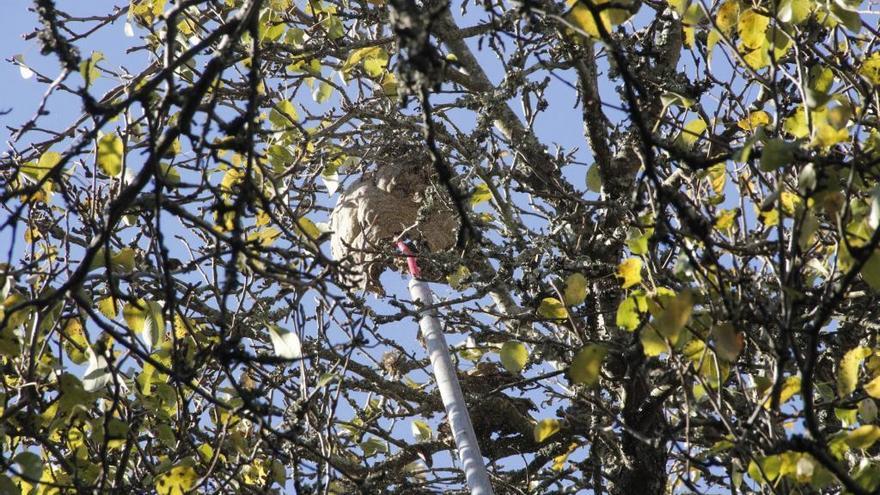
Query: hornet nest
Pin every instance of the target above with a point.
(399, 200)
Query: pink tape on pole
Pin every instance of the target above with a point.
(411, 261)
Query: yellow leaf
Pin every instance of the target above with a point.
(796, 124)
(366, 53)
(514, 356)
(718, 177)
(47, 161)
(691, 132)
(559, 461)
(481, 194)
(264, 237)
(587, 364)
(863, 437)
(124, 260)
(725, 219)
(848, 371)
(389, 84)
(628, 314)
(826, 135)
(107, 307)
(75, 342)
(109, 154)
(177, 481)
(752, 28)
(182, 326)
(873, 387)
(728, 342)
(653, 344)
(630, 271)
(545, 428)
(790, 387)
(575, 289)
(756, 58)
(675, 315)
(727, 16)
(581, 16)
(794, 11)
(283, 115)
(552, 308)
(456, 279)
(145, 318)
(870, 69)
(754, 120)
(308, 228)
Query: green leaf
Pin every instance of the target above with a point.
(848, 371)
(109, 154)
(514, 356)
(594, 179)
(871, 271)
(727, 15)
(372, 446)
(766, 470)
(796, 124)
(325, 379)
(322, 92)
(575, 289)
(776, 154)
(47, 161)
(88, 68)
(790, 387)
(587, 364)
(169, 174)
(286, 344)
(552, 308)
(124, 260)
(545, 428)
(31, 465)
(847, 16)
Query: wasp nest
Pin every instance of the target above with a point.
(397, 201)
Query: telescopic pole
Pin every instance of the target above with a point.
(447, 382)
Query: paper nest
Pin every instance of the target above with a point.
(395, 201)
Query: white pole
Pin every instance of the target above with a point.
(450, 392)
